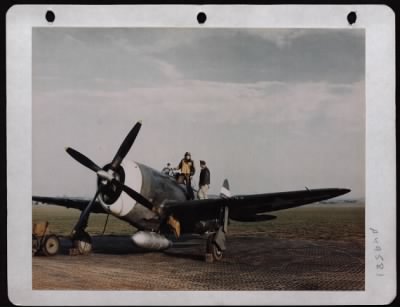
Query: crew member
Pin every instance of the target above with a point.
(186, 166)
(204, 181)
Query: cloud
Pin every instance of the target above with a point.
(138, 57)
(271, 110)
(242, 56)
(284, 38)
(233, 103)
(199, 115)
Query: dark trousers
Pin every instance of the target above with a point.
(189, 189)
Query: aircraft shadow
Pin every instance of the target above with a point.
(187, 247)
(108, 244)
(184, 255)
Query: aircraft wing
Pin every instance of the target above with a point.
(76, 203)
(244, 207)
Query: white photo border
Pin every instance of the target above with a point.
(379, 24)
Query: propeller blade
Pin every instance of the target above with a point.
(83, 218)
(82, 159)
(126, 146)
(135, 195)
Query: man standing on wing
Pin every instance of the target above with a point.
(204, 181)
(186, 166)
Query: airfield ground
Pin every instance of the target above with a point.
(308, 248)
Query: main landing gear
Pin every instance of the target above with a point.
(215, 246)
(82, 243)
(215, 251)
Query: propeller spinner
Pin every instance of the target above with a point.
(110, 177)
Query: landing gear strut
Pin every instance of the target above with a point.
(213, 251)
(216, 241)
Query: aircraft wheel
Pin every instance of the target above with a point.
(213, 249)
(51, 245)
(83, 244)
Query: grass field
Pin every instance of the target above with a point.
(323, 222)
(338, 223)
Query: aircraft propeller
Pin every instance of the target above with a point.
(126, 146)
(82, 159)
(108, 175)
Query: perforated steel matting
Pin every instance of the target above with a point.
(250, 263)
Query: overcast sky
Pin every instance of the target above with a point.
(271, 110)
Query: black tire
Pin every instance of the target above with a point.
(35, 245)
(51, 245)
(213, 249)
(83, 243)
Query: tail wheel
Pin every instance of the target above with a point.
(83, 243)
(51, 245)
(213, 249)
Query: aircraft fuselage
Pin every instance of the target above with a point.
(153, 185)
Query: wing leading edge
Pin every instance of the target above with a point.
(248, 205)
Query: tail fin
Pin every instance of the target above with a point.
(225, 192)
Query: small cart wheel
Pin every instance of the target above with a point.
(51, 245)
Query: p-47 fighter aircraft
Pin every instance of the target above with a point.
(158, 206)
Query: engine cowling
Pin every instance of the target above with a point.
(151, 240)
(115, 201)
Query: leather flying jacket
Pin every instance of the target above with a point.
(204, 176)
